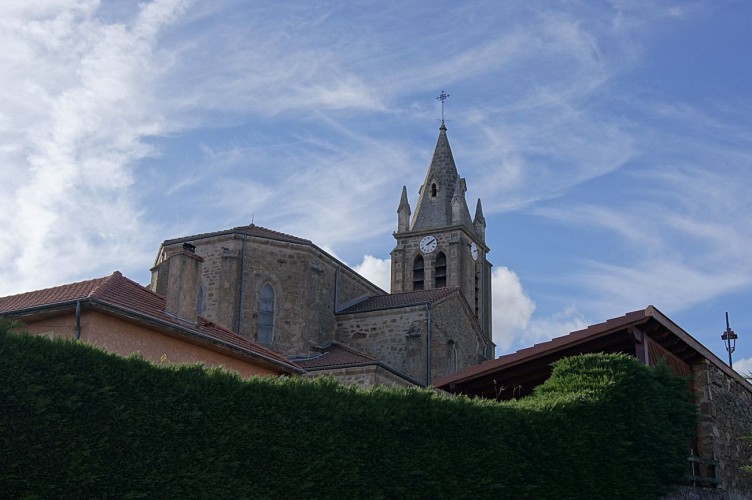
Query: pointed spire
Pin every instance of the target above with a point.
(403, 212)
(403, 201)
(434, 204)
(479, 223)
(479, 213)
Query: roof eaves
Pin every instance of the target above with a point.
(544, 348)
(693, 343)
(195, 334)
(55, 306)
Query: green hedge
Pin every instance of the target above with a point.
(77, 422)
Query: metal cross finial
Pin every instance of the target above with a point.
(442, 97)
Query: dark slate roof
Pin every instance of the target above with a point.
(333, 355)
(250, 230)
(397, 300)
(118, 293)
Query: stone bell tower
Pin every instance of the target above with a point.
(441, 246)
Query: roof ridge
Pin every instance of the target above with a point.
(250, 230)
(107, 283)
(58, 287)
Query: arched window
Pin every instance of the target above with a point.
(418, 273)
(441, 271)
(433, 190)
(266, 314)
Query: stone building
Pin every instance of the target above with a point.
(291, 296)
(721, 446)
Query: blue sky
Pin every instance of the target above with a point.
(610, 142)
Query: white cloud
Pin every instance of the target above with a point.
(743, 367)
(512, 308)
(82, 106)
(556, 325)
(514, 322)
(378, 271)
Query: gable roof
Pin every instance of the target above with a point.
(614, 335)
(333, 355)
(119, 295)
(398, 300)
(250, 230)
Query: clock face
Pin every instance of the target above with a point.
(474, 250)
(428, 244)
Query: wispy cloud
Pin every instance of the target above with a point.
(122, 124)
(77, 128)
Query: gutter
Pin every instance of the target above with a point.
(239, 321)
(428, 345)
(78, 319)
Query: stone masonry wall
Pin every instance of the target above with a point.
(457, 342)
(363, 376)
(462, 270)
(724, 421)
(397, 337)
(302, 276)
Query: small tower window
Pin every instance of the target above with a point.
(441, 270)
(433, 190)
(266, 314)
(418, 273)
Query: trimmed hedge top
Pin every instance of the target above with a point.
(77, 422)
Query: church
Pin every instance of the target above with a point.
(290, 296)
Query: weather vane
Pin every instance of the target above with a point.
(442, 97)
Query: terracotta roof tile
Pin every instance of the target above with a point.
(54, 295)
(131, 298)
(397, 300)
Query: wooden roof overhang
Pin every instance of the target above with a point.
(517, 374)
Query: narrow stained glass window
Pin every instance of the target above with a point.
(266, 314)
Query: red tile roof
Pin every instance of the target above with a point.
(397, 300)
(540, 349)
(118, 293)
(579, 337)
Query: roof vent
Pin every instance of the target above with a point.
(190, 248)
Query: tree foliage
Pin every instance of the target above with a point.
(77, 422)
